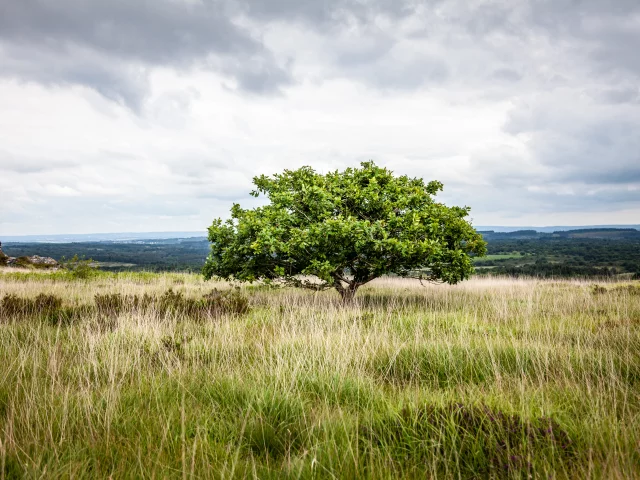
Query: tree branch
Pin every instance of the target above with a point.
(308, 284)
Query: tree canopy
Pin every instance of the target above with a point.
(342, 230)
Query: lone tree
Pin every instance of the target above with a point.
(342, 230)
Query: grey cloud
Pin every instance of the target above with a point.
(583, 152)
(619, 52)
(21, 164)
(49, 66)
(593, 146)
(551, 198)
(608, 32)
(581, 199)
(506, 74)
(488, 18)
(328, 13)
(366, 54)
(400, 74)
(108, 45)
(165, 32)
(108, 80)
(369, 48)
(570, 16)
(619, 95)
(258, 74)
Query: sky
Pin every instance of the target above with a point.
(132, 115)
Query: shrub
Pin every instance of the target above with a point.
(229, 301)
(212, 304)
(618, 289)
(628, 289)
(112, 304)
(171, 302)
(23, 262)
(14, 306)
(79, 267)
(45, 307)
(109, 304)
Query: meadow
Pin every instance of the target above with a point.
(139, 375)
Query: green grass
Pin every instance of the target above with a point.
(493, 378)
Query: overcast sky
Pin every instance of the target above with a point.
(132, 115)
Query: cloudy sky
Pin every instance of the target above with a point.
(137, 115)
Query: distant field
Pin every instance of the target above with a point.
(499, 256)
(141, 375)
(113, 264)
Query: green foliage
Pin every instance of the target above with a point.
(79, 267)
(345, 228)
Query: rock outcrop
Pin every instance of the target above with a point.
(33, 261)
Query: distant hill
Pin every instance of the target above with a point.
(552, 229)
(607, 233)
(101, 237)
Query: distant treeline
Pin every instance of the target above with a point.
(603, 233)
(150, 255)
(605, 252)
(558, 270)
(584, 253)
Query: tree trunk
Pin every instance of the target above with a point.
(348, 294)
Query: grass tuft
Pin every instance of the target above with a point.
(478, 440)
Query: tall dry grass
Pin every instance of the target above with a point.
(492, 378)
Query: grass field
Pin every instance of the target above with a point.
(493, 378)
